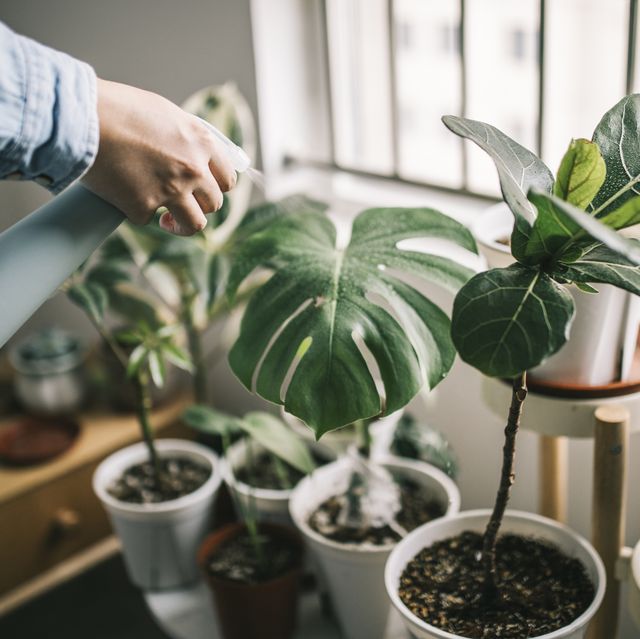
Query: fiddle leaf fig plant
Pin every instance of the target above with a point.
(328, 314)
(506, 321)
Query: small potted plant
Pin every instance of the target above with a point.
(264, 464)
(352, 512)
(337, 337)
(539, 579)
(159, 495)
(253, 567)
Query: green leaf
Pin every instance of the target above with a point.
(210, 421)
(553, 234)
(264, 428)
(279, 439)
(506, 321)
(177, 356)
(618, 136)
(518, 170)
(157, 368)
(128, 337)
(115, 248)
(581, 173)
(91, 298)
(600, 264)
(587, 288)
(108, 273)
(621, 218)
(180, 251)
(569, 226)
(134, 305)
(305, 316)
(136, 360)
(217, 278)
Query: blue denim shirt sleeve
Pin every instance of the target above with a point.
(48, 113)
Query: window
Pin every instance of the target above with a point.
(543, 71)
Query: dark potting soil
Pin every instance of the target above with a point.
(237, 560)
(179, 477)
(417, 508)
(540, 589)
(268, 471)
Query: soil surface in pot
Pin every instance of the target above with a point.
(268, 471)
(417, 508)
(237, 559)
(540, 589)
(179, 476)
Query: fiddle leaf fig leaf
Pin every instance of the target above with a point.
(506, 321)
(600, 264)
(562, 226)
(554, 233)
(581, 173)
(586, 288)
(618, 137)
(627, 215)
(518, 170)
(308, 332)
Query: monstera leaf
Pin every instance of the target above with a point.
(519, 170)
(328, 316)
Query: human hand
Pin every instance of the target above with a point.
(153, 154)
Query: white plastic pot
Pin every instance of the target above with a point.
(160, 541)
(270, 504)
(354, 573)
(605, 327)
(520, 523)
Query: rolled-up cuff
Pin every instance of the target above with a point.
(59, 136)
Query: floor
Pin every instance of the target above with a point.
(99, 604)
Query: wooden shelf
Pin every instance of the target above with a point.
(100, 435)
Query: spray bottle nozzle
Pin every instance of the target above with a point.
(240, 160)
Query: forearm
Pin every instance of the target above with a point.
(48, 115)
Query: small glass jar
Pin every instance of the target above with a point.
(49, 377)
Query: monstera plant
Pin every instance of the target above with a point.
(330, 318)
(508, 320)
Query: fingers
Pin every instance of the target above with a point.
(184, 217)
(208, 195)
(221, 167)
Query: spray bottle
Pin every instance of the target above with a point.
(39, 252)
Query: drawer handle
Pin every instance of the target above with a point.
(65, 521)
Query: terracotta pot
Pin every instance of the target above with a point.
(254, 611)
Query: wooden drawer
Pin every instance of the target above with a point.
(47, 525)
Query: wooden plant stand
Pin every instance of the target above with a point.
(608, 414)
